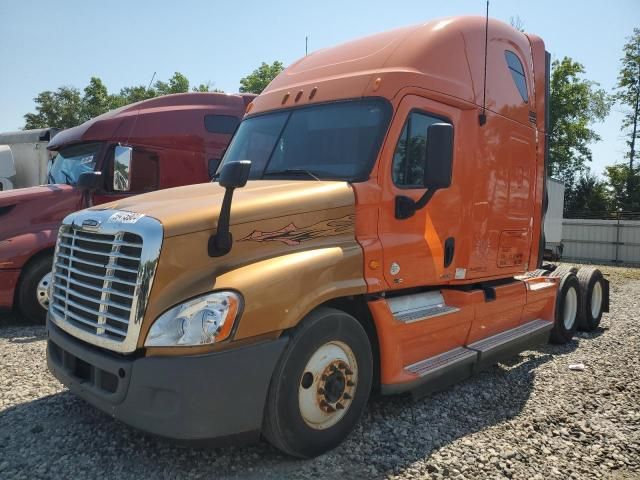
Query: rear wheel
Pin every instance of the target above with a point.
(567, 308)
(33, 289)
(320, 386)
(592, 289)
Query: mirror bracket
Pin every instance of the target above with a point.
(220, 243)
(407, 207)
(232, 175)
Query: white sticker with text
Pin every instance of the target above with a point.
(125, 217)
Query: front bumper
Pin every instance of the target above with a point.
(190, 398)
(8, 283)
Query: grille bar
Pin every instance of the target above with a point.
(96, 264)
(93, 300)
(119, 243)
(89, 310)
(90, 323)
(97, 277)
(97, 252)
(93, 287)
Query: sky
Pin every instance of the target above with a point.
(45, 45)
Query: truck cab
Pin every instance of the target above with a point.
(172, 140)
(370, 229)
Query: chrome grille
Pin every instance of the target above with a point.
(103, 271)
(95, 280)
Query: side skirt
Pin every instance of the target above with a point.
(441, 371)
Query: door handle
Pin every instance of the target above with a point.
(449, 250)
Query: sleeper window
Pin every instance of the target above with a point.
(408, 159)
(517, 73)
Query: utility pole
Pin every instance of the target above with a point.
(306, 45)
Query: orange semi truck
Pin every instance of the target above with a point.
(375, 226)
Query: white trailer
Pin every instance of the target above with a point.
(553, 219)
(7, 168)
(28, 149)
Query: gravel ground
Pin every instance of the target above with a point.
(531, 417)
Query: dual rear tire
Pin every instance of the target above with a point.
(580, 302)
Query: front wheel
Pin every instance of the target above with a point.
(320, 386)
(33, 289)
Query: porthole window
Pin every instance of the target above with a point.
(517, 73)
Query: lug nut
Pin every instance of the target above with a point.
(350, 383)
(346, 396)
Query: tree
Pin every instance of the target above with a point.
(96, 100)
(574, 104)
(207, 87)
(628, 95)
(624, 185)
(177, 84)
(588, 195)
(61, 109)
(517, 23)
(258, 80)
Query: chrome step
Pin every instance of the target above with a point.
(419, 306)
(508, 336)
(442, 361)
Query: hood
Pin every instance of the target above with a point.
(197, 207)
(21, 195)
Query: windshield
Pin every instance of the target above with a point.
(70, 162)
(333, 141)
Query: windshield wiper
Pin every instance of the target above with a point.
(67, 177)
(294, 171)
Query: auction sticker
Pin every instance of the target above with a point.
(125, 217)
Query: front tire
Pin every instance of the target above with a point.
(320, 386)
(568, 304)
(33, 299)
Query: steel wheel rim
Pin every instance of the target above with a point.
(596, 300)
(42, 291)
(570, 308)
(327, 385)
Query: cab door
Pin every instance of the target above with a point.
(421, 249)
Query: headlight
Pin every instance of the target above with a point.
(200, 321)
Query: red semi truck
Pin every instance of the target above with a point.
(171, 140)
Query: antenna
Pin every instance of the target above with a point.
(483, 116)
(135, 120)
(306, 45)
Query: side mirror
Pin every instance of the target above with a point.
(122, 168)
(89, 181)
(438, 167)
(439, 156)
(233, 175)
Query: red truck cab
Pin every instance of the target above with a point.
(175, 140)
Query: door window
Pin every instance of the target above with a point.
(517, 73)
(145, 172)
(408, 159)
